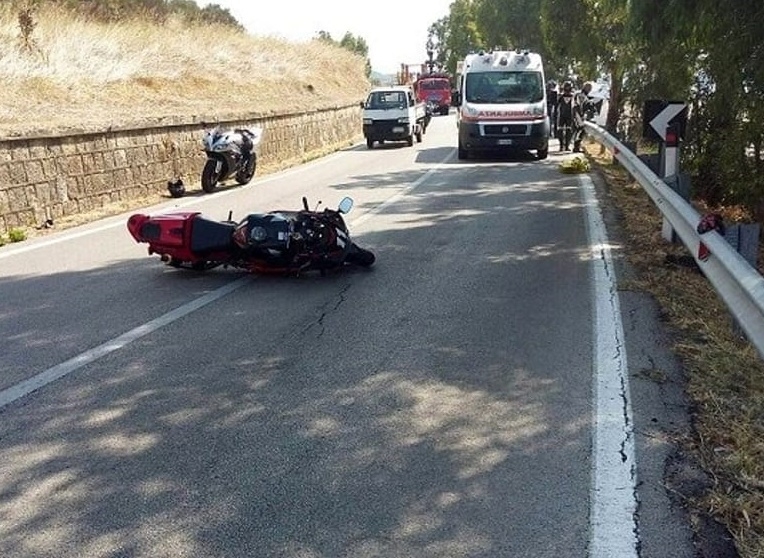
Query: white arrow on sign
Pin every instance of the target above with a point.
(662, 119)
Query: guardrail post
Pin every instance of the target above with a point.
(653, 161)
(681, 184)
(744, 238)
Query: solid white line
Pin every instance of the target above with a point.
(613, 504)
(60, 370)
(57, 372)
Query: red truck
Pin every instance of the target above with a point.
(434, 88)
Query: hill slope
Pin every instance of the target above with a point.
(74, 72)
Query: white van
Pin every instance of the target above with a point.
(502, 103)
(393, 114)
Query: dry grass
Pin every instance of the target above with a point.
(80, 73)
(725, 375)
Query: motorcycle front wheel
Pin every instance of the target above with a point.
(360, 256)
(210, 176)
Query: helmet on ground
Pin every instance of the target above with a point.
(176, 188)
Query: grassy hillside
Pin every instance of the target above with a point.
(61, 71)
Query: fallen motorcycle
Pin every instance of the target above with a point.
(230, 153)
(284, 242)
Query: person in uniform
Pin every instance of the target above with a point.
(551, 103)
(582, 111)
(565, 116)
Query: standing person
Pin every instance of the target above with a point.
(565, 116)
(551, 104)
(581, 108)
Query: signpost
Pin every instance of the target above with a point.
(665, 122)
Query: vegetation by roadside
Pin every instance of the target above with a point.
(725, 377)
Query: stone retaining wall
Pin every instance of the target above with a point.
(50, 176)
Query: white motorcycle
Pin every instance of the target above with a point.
(230, 153)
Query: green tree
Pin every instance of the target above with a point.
(359, 46)
(712, 56)
(510, 23)
(457, 34)
(215, 14)
(592, 38)
(325, 36)
(356, 45)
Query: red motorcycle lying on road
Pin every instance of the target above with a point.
(286, 242)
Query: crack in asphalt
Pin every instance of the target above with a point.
(325, 310)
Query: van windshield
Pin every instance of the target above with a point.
(504, 87)
(386, 100)
(434, 84)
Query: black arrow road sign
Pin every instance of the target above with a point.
(659, 114)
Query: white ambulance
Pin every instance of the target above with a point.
(502, 103)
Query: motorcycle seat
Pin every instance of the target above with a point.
(209, 236)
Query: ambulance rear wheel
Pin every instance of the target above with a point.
(462, 153)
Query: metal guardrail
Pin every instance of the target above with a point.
(739, 285)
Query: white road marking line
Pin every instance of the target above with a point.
(57, 372)
(60, 370)
(613, 503)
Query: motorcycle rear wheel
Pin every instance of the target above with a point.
(360, 256)
(210, 176)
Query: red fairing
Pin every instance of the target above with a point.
(168, 234)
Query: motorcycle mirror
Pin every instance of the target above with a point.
(305, 203)
(345, 205)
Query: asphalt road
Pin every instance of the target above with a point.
(438, 405)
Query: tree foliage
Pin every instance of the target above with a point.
(456, 34)
(706, 53)
(510, 23)
(355, 44)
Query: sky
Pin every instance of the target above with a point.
(395, 30)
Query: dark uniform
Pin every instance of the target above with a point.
(565, 116)
(582, 110)
(551, 103)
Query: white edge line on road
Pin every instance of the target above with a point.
(119, 220)
(60, 370)
(57, 372)
(613, 500)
